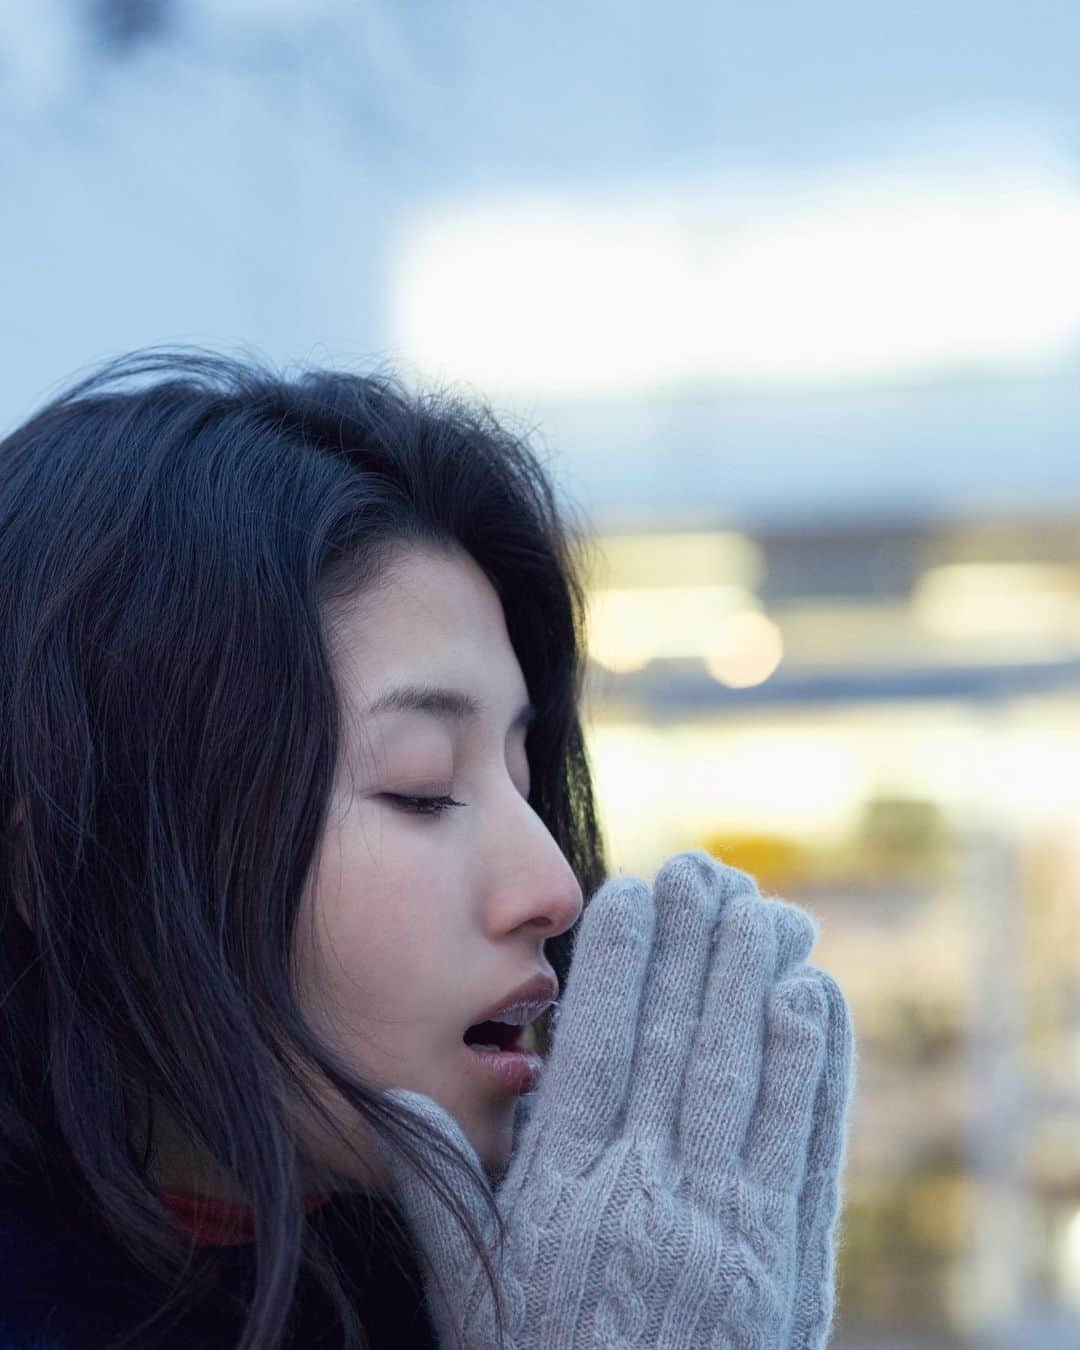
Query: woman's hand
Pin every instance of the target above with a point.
(660, 1191)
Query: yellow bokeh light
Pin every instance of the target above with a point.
(632, 625)
(1069, 1261)
(985, 599)
(747, 650)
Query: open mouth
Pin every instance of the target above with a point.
(506, 1056)
(498, 1036)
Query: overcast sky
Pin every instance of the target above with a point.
(245, 174)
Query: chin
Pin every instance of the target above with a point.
(497, 1165)
(495, 1150)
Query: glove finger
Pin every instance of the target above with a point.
(796, 933)
(796, 929)
(725, 1071)
(433, 1225)
(583, 1089)
(820, 1202)
(690, 891)
(778, 1139)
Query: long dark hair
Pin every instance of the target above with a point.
(174, 531)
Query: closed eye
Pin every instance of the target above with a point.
(422, 806)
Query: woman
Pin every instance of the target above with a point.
(296, 799)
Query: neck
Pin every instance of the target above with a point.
(179, 1164)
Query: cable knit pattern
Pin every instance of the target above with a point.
(676, 1176)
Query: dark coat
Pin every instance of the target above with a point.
(66, 1285)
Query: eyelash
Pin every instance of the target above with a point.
(424, 806)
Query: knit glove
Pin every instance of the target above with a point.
(821, 1194)
(656, 1194)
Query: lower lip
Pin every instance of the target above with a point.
(513, 1071)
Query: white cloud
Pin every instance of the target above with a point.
(903, 269)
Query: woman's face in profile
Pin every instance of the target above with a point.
(414, 924)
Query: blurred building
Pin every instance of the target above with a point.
(883, 724)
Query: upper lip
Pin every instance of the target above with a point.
(538, 993)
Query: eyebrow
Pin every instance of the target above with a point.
(452, 704)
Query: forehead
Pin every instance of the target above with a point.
(432, 619)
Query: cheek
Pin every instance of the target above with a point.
(369, 926)
(369, 956)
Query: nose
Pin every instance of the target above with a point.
(559, 905)
(539, 885)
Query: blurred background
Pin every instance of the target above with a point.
(788, 297)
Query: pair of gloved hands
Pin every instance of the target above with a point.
(676, 1176)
